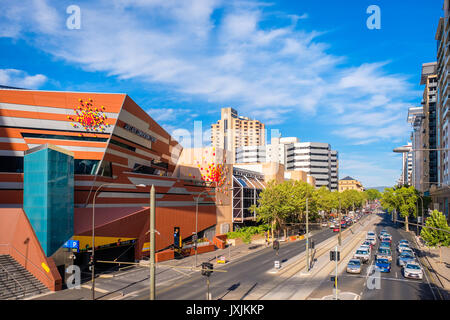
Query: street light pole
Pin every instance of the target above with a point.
(340, 224)
(196, 224)
(152, 243)
(307, 238)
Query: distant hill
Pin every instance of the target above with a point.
(381, 189)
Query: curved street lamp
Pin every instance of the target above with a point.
(93, 231)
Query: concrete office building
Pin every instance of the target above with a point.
(316, 159)
(251, 154)
(233, 131)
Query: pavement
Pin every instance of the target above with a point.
(438, 263)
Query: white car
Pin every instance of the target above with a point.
(372, 239)
(365, 246)
(402, 247)
(408, 250)
(362, 254)
(413, 270)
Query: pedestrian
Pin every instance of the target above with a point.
(266, 240)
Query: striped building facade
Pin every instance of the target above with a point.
(131, 150)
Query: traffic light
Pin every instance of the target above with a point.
(207, 269)
(333, 255)
(176, 237)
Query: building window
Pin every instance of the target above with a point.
(105, 169)
(84, 166)
(11, 164)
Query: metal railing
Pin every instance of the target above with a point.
(10, 276)
(27, 260)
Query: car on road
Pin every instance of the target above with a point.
(367, 243)
(405, 258)
(403, 241)
(336, 229)
(332, 225)
(384, 238)
(408, 250)
(384, 253)
(362, 254)
(413, 270)
(385, 244)
(364, 246)
(324, 224)
(343, 224)
(383, 265)
(387, 235)
(402, 247)
(354, 266)
(372, 239)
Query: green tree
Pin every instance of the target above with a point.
(372, 194)
(433, 237)
(402, 200)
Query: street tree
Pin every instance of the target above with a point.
(372, 194)
(434, 237)
(403, 200)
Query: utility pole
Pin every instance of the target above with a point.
(340, 224)
(307, 238)
(152, 243)
(336, 276)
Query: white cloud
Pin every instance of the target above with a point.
(222, 52)
(19, 78)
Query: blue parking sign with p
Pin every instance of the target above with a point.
(72, 244)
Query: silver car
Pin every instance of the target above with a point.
(354, 266)
(405, 258)
(384, 253)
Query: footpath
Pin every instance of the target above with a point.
(439, 271)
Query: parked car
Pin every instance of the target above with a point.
(405, 258)
(384, 253)
(354, 266)
(383, 265)
(362, 254)
(336, 229)
(413, 270)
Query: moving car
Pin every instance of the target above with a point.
(383, 265)
(332, 225)
(408, 250)
(385, 238)
(405, 258)
(362, 254)
(336, 229)
(403, 241)
(367, 243)
(384, 253)
(402, 247)
(354, 266)
(363, 246)
(385, 244)
(413, 270)
(372, 239)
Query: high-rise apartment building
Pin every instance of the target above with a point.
(431, 126)
(233, 131)
(416, 119)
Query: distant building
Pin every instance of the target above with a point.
(349, 183)
(233, 131)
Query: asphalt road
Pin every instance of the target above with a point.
(393, 286)
(247, 278)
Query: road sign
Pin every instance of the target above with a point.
(72, 244)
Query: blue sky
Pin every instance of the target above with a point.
(311, 69)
